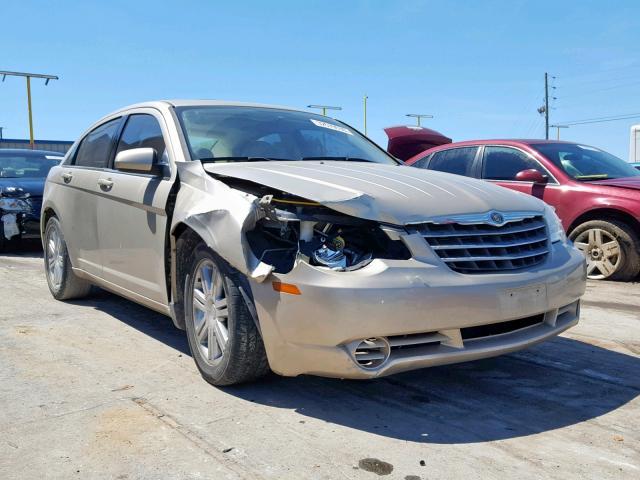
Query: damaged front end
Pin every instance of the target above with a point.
(259, 229)
(292, 229)
(16, 208)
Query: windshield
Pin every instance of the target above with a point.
(585, 163)
(27, 165)
(229, 133)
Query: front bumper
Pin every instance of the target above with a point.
(19, 225)
(315, 332)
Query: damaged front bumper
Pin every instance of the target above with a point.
(22, 225)
(398, 315)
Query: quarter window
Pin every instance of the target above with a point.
(456, 160)
(422, 163)
(504, 163)
(95, 149)
(142, 131)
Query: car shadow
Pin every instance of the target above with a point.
(556, 384)
(31, 248)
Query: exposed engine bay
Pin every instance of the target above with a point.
(295, 228)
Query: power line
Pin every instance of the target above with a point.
(580, 94)
(611, 118)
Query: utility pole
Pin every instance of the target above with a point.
(29, 76)
(546, 105)
(558, 127)
(1, 128)
(419, 116)
(365, 114)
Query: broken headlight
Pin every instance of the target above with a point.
(340, 247)
(297, 229)
(13, 204)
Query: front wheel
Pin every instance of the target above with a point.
(612, 249)
(223, 338)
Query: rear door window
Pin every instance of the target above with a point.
(142, 131)
(456, 160)
(95, 149)
(504, 163)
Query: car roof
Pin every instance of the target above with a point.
(505, 141)
(204, 103)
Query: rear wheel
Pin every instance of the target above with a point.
(223, 338)
(612, 249)
(63, 283)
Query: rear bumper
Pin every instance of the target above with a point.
(315, 332)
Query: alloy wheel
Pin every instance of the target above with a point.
(55, 257)
(602, 251)
(210, 311)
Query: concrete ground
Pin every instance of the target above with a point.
(103, 388)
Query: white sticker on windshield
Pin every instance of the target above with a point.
(53, 157)
(330, 126)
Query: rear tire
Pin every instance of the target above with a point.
(63, 283)
(224, 340)
(611, 247)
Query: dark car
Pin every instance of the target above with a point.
(22, 176)
(595, 194)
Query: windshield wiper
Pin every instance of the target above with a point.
(243, 159)
(597, 176)
(341, 159)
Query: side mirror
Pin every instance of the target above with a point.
(136, 160)
(531, 175)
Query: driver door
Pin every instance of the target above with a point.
(132, 217)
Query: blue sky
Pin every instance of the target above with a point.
(477, 66)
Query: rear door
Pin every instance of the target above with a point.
(77, 204)
(459, 161)
(132, 218)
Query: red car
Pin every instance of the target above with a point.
(596, 195)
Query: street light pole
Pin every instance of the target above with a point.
(324, 108)
(365, 115)
(29, 76)
(558, 127)
(419, 116)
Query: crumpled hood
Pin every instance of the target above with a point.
(33, 186)
(628, 182)
(385, 193)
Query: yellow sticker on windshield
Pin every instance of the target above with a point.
(330, 126)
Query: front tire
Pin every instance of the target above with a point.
(611, 247)
(224, 340)
(63, 283)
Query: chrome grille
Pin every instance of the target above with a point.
(485, 248)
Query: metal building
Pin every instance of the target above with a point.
(51, 145)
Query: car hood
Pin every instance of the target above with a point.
(628, 182)
(15, 186)
(390, 194)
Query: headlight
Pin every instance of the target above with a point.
(11, 204)
(556, 230)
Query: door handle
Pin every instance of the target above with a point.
(66, 177)
(105, 183)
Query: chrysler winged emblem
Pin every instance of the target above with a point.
(496, 218)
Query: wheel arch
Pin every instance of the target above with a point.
(183, 239)
(606, 214)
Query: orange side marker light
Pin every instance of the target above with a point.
(286, 288)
